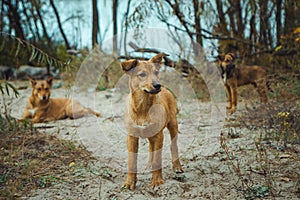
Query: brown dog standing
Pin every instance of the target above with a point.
(150, 108)
(41, 108)
(237, 76)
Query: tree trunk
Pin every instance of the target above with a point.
(115, 25)
(2, 24)
(126, 26)
(239, 20)
(14, 18)
(278, 21)
(197, 22)
(37, 8)
(253, 31)
(35, 21)
(28, 21)
(95, 28)
(222, 21)
(263, 20)
(60, 25)
(292, 12)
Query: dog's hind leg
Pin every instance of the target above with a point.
(173, 129)
(90, 111)
(26, 115)
(75, 110)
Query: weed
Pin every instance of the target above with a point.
(275, 131)
(257, 192)
(31, 160)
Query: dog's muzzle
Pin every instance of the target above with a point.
(157, 89)
(43, 98)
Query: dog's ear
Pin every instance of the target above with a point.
(232, 55)
(221, 57)
(49, 80)
(158, 58)
(129, 64)
(32, 81)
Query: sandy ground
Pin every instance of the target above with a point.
(207, 173)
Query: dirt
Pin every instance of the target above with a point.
(209, 171)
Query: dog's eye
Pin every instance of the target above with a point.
(46, 89)
(143, 74)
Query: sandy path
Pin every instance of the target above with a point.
(206, 175)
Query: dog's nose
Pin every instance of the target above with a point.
(44, 97)
(157, 86)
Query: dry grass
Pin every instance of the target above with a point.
(271, 167)
(31, 160)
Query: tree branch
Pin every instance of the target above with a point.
(60, 25)
(181, 65)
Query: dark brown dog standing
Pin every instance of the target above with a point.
(150, 108)
(41, 108)
(234, 77)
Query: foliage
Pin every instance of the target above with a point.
(24, 51)
(273, 155)
(230, 26)
(5, 88)
(287, 54)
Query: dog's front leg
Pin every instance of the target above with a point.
(229, 96)
(36, 119)
(233, 98)
(156, 144)
(173, 129)
(132, 147)
(26, 115)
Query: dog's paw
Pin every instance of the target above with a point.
(232, 110)
(177, 167)
(156, 182)
(129, 185)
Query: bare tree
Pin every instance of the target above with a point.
(1, 16)
(95, 28)
(14, 18)
(126, 26)
(292, 12)
(60, 25)
(115, 25)
(278, 20)
(41, 19)
(197, 15)
(240, 26)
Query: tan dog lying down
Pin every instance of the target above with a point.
(41, 108)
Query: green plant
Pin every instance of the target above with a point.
(257, 192)
(27, 52)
